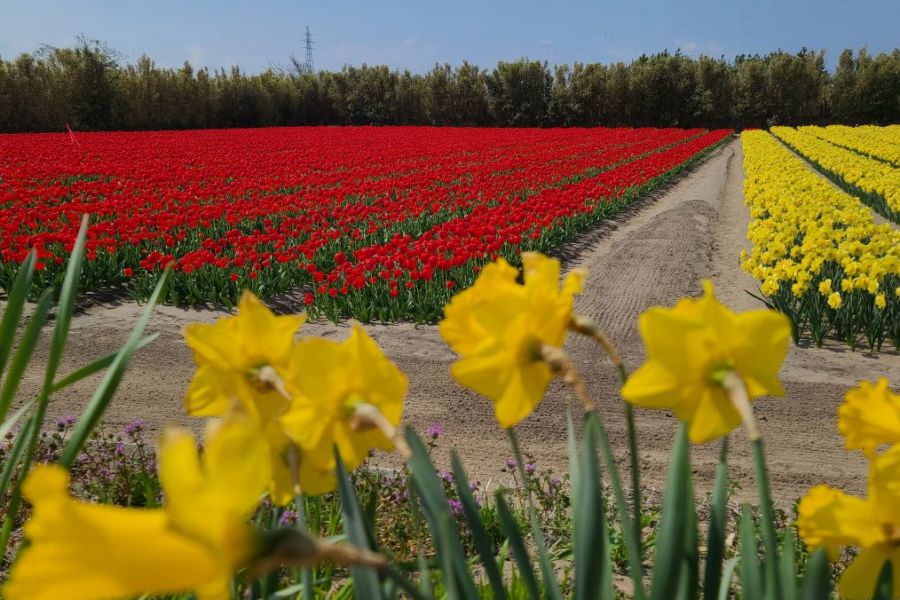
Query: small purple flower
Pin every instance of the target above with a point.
(456, 507)
(530, 468)
(474, 485)
(135, 427)
(400, 495)
(288, 517)
(555, 483)
(510, 464)
(447, 476)
(65, 422)
(435, 431)
(120, 448)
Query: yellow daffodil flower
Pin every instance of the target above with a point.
(335, 385)
(84, 551)
(690, 346)
(231, 357)
(498, 327)
(241, 363)
(831, 519)
(870, 417)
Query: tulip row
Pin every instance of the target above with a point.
(312, 209)
(882, 143)
(817, 253)
(874, 181)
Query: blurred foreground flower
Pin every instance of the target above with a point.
(692, 347)
(870, 417)
(84, 551)
(346, 394)
(831, 519)
(499, 328)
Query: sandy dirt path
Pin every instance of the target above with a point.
(655, 254)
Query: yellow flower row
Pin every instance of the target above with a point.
(880, 142)
(801, 223)
(870, 175)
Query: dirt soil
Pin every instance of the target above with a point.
(654, 255)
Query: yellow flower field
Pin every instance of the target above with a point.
(878, 142)
(817, 253)
(875, 181)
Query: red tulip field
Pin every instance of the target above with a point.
(378, 224)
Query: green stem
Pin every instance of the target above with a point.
(635, 461)
(305, 573)
(632, 542)
(767, 517)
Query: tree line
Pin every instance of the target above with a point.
(90, 87)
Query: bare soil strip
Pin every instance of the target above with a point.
(658, 253)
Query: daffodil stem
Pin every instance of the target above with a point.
(589, 328)
(305, 573)
(737, 393)
(293, 459)
(767, 518)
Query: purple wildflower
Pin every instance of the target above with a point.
(435, 431)
(530, 468)
(134, 427)
(456, 507)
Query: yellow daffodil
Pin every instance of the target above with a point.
(691, 346)
(232, 358)
(870, 417)
(498, 327)
(340, 391)
(84, 551)
(831, 519)
(241, 364)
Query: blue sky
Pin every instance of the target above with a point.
(416, 34)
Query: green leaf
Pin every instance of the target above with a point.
(727, 575)
(715, 539)
(589, 522)
(15, 304)
(632, 543)
(517, 546)
(437, 514)
(789, 567)
(66, 305)
(767, 521)
(95, 367)
(24, 352)
(7, 425)
(690, 577)
(110, 383)
(365, 580)
(483, 544)
(817, 579)
(13, 457)
(884, 589)
(551, 586)
(752, 584)
(667, 571)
